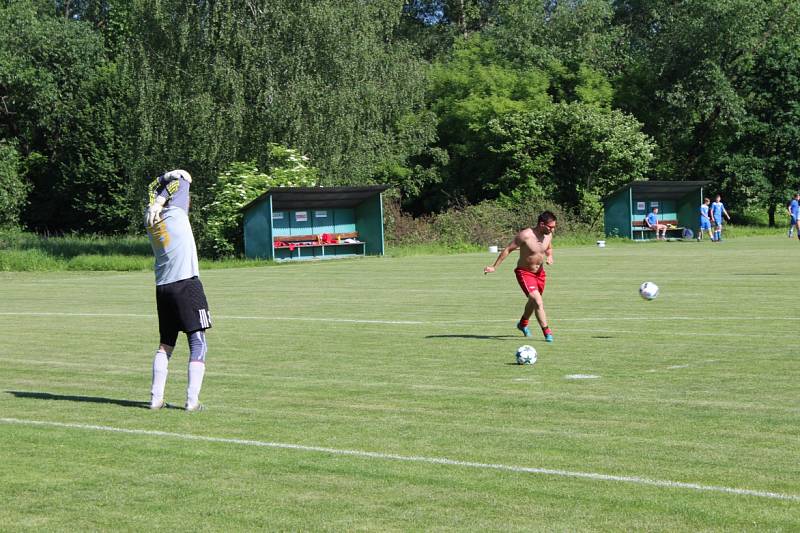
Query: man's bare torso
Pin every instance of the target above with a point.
(532, 248)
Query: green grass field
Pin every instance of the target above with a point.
(379, 394)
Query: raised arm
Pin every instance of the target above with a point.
(164, 188)
(167, 184)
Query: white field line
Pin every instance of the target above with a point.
(402, 322)
(786, 335)
(418, 459)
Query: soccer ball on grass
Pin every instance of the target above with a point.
(648, 290)
(526, 355)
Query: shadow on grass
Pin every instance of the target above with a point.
(466, 336)
(87, 399)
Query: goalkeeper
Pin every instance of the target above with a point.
(180, 298)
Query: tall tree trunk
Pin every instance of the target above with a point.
(771, 215)
(462, 19)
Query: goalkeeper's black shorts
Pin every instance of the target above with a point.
(182, 306)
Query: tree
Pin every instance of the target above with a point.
(574, 154)
(568, 35)
(764, 157)
(460, 17)
(469, 90)
(486, 79)
(713, 83)
(59, 95)
(213, 81)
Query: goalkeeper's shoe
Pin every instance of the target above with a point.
(193, 407)
(155, 405)
(524, 329)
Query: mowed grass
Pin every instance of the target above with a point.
(412, 357)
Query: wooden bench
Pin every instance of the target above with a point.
(296, 242)
(641, 226)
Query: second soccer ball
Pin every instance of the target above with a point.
(648, 290)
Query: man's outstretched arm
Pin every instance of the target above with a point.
(507, 250)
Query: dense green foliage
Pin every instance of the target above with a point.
(453, 102)
(13, 189)
(717, 88)
(571, 153)
(60, 107)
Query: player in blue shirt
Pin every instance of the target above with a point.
(180, 298)
(705, 220)
(652, 223)
(793, 209)
(717, 211)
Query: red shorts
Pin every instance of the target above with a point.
(530, 281)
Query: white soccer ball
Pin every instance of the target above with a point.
(526, 355)
(648, 290)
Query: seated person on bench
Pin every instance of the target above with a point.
(652, 223)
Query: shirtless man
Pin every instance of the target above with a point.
(535, 248)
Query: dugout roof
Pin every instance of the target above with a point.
(286, 198)
(662, 190)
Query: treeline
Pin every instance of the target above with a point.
(454, 102)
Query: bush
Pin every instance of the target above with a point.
(484, 223)
(400, 228)
(492, 222)
(27, 261)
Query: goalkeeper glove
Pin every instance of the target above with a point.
(176, 174)
(153, 214)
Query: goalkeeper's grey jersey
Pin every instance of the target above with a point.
(173, 245)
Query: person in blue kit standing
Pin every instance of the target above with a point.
(705, 220)
(717, 211)
(794, 211)
(653, 224)
(180, 298)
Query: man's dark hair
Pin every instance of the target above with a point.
(546, 217)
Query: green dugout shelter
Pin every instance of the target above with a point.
(678, 204)
(299, 223)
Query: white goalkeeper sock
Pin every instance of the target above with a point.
(196, 372)
(160, 363)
